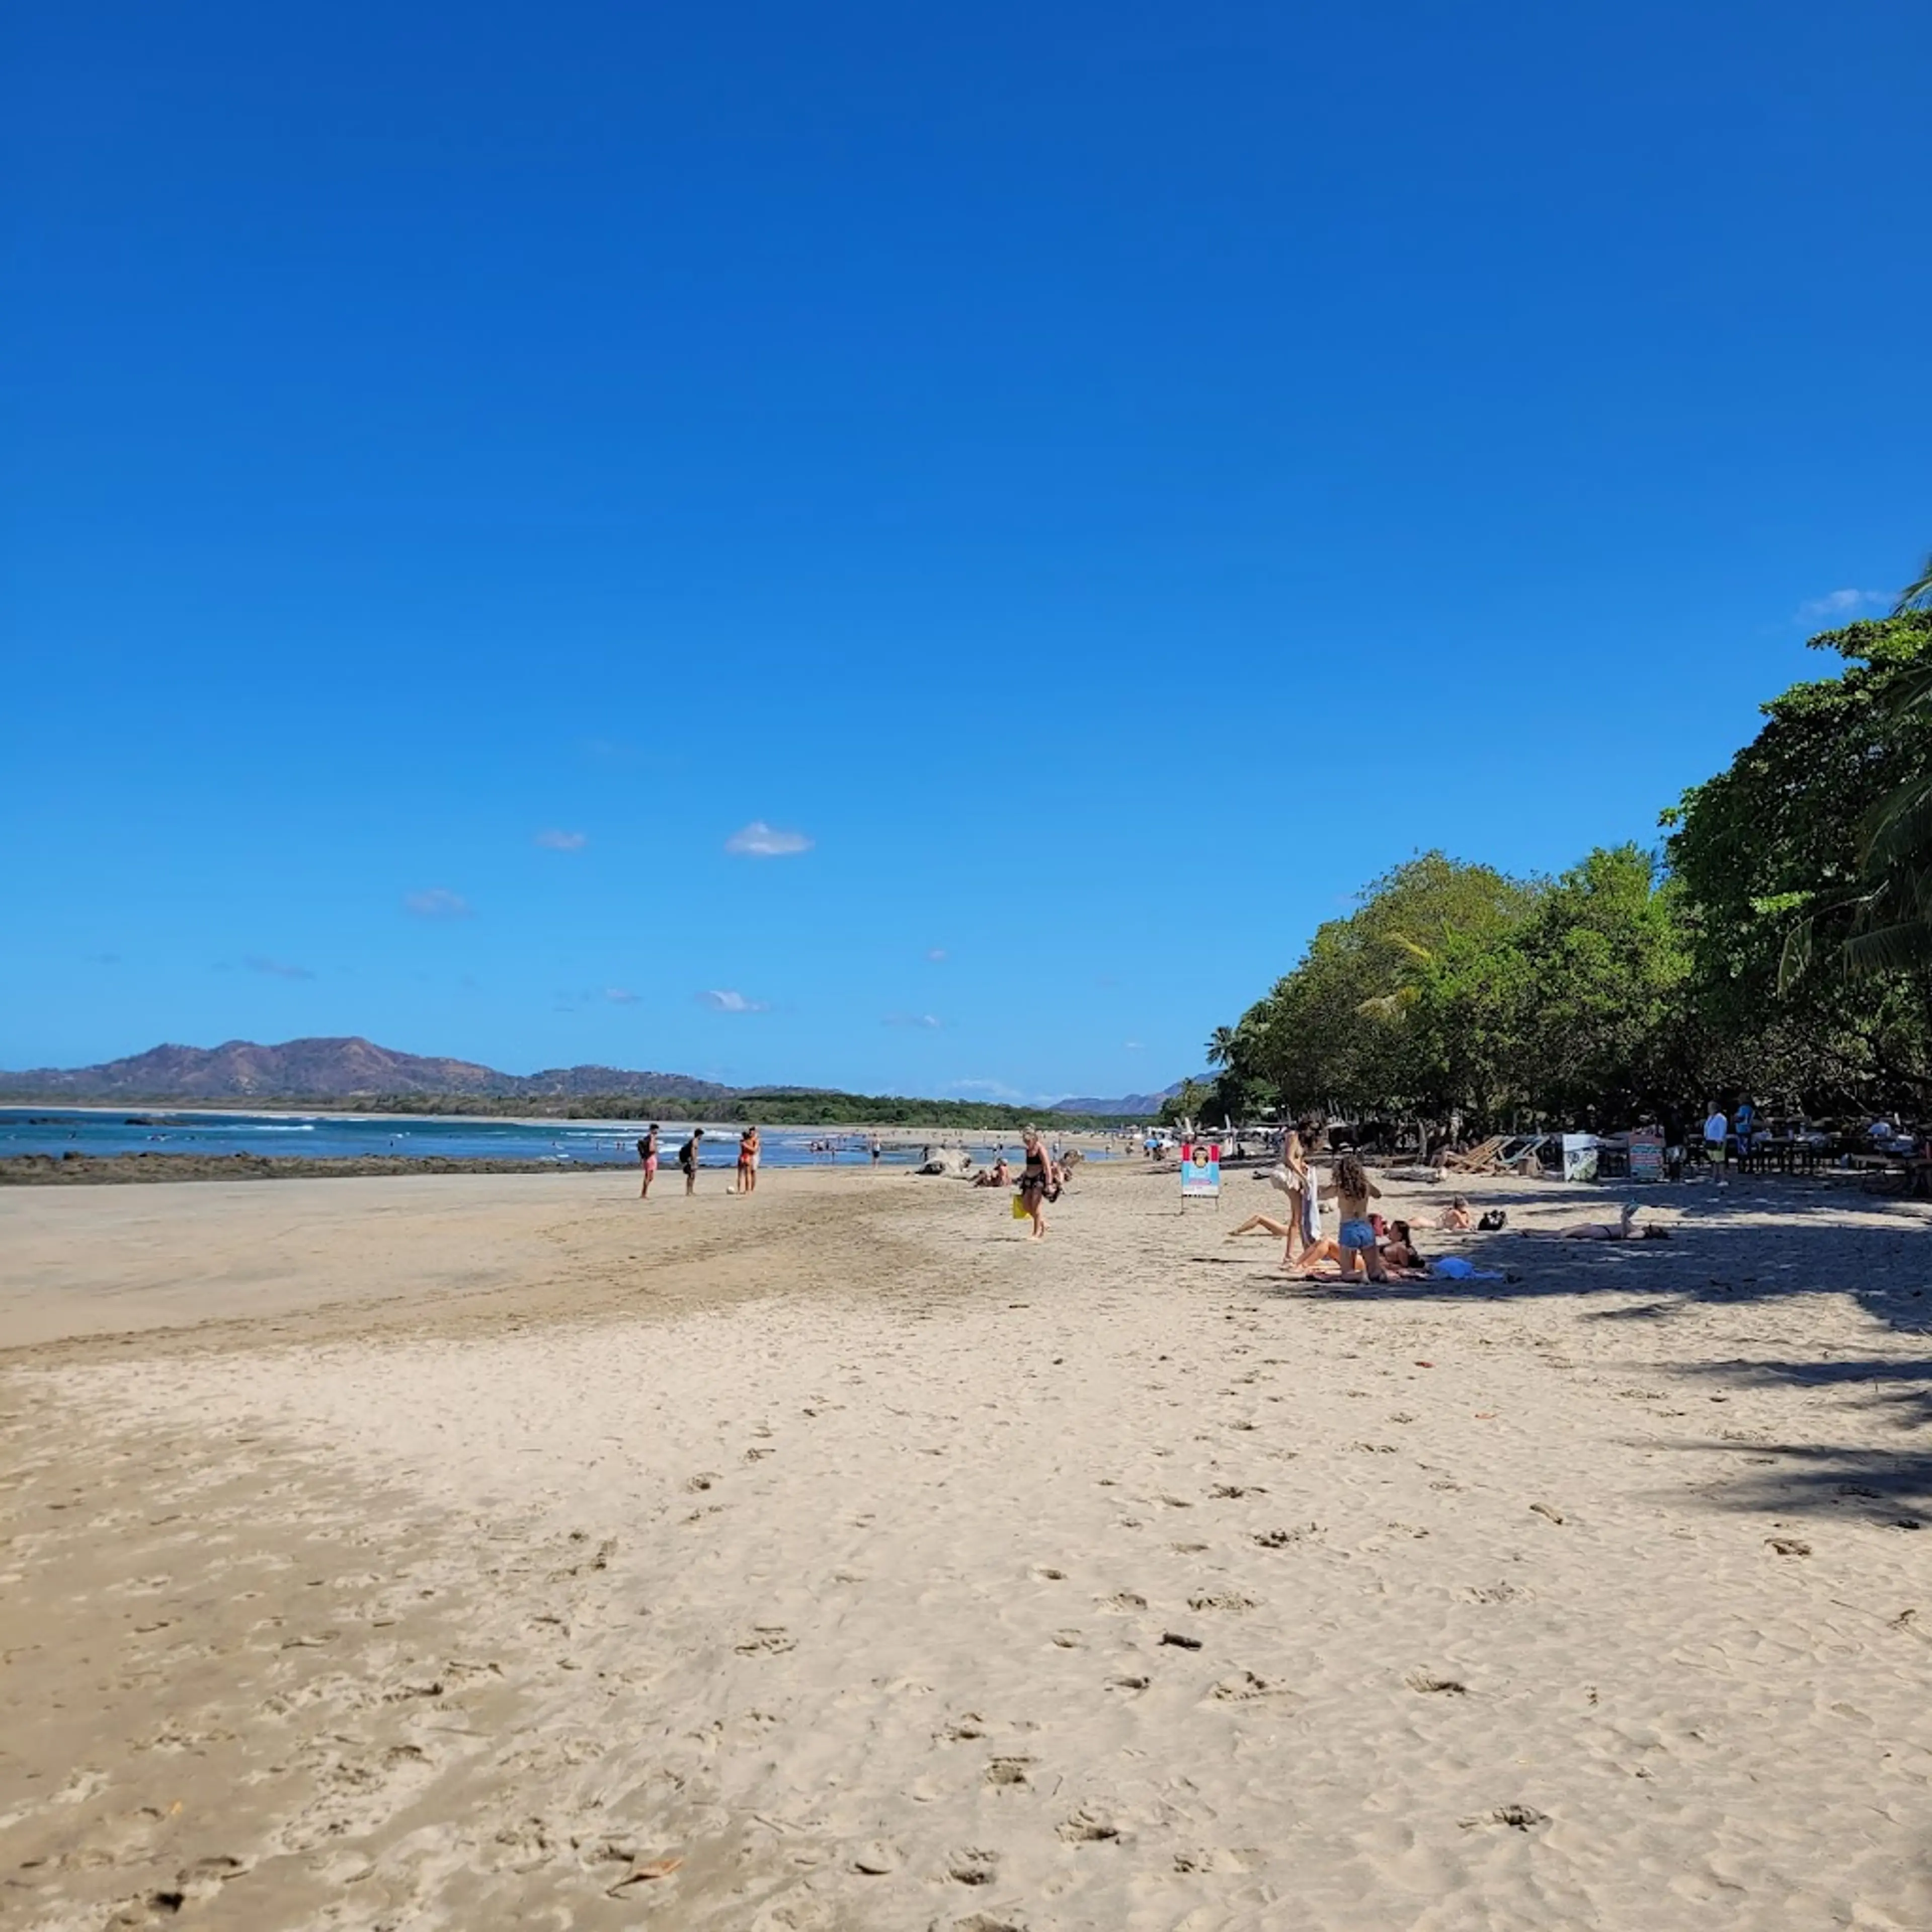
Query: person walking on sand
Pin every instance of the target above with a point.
(647, 1154)
(687, 1159)
(1037, 1186)
(748, 1161)
(876, 1150)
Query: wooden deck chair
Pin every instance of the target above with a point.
(1478, 1158)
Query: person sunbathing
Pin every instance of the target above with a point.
(997, 1175)
(1625, 1229)
(1455, 1219)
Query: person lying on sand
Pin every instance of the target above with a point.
(1625, 1229)
(1455, 1218)
(1285, 1231)
(997, 1175)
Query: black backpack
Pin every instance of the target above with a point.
(1492, 1218)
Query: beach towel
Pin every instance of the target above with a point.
(1453, 1267)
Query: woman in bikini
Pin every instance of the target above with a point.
(647, 1153)
(1036, 1182)
(1356, 1237)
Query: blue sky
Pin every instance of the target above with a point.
(1099, 482)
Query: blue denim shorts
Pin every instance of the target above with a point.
(1357, 1235)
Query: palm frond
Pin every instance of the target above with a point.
(1794, 957)
(1899, 830)
(1900, 947)
(1917, 596)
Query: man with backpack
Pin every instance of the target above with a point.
(687, 1159)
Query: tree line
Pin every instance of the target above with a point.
(1778, 941)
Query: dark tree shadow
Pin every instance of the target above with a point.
(1827, 1236)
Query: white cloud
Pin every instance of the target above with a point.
(927, 1020)
(438, 902)
(1841, 603)
(562, 842)
(936, 954)
(758, 840)
(1132, 1045)
(723, 1000)
(278, 969)
(620, 996)
(991, 1090)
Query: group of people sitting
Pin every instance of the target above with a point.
(1385, 1249)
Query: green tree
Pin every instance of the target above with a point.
(1785, 867)
(1335, 1032)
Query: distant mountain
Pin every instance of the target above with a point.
(329, 1069)
(1129, 1106)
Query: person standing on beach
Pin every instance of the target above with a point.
(687, 1159)
(1717, 1145)
(647, 1153)
(1303, 1193)
(748, 1161)
(875, 1149)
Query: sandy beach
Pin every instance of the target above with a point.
(490, 1550)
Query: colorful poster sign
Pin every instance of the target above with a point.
(1646, 1156)
(1201, 1170)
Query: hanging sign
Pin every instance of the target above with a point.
(1201, 1170)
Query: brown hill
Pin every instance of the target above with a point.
(320, 1070)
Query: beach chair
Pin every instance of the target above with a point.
(1525, 1158)
(1478, 1159)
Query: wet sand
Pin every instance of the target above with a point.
(478, 1550)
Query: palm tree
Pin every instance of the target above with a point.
(1224, 1043)
(1891, 905)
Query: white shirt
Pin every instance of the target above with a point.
(1717, 1128)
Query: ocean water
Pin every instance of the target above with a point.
(59, 1130)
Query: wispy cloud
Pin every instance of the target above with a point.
(936, 954)
(1132, 1045)
(993, 1089)
(562, 842)
(1841, 603)
(758, 840)
(438, 902)
(724, 1000)
(278, 969)
(928, 1021)
(621, 996)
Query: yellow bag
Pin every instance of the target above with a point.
(1019, 1207)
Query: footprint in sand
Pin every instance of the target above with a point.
(1003, 1771)
(972, 1866)
(1244, 1686)
(767, 1640)
(1084, 1828)
(1518, 1817)
(1224, 1600)
(1125, 1600)
(1428, 1683)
